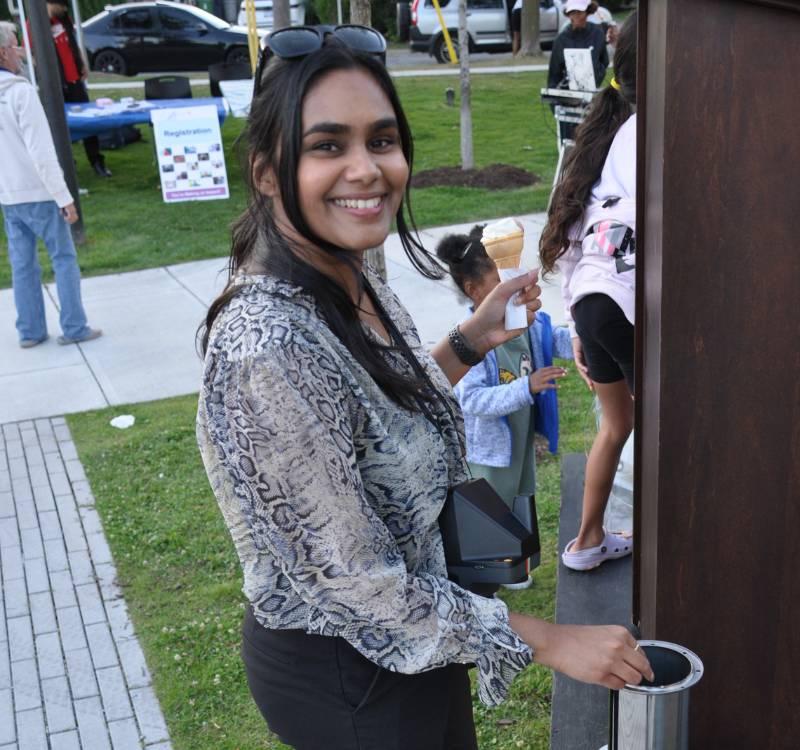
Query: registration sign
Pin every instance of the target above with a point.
(191, 162)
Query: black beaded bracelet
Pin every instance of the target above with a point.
(462, 348)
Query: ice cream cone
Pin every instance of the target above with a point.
(505, 251)
(504, 241)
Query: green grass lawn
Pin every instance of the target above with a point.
(129, 227)
(181, 578)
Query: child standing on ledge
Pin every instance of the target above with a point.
(590, 238)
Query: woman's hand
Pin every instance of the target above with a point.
(539, 380)
(604, 655)
(486, 329)
(580, 362)
(599, 654)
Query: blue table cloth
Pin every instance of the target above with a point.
(89, 119)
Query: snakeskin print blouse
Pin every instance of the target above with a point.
(331, 491)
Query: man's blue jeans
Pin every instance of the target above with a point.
(24, 222)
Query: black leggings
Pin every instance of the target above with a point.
(606, 337)
(319, 693)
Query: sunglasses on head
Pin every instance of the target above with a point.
(294, 42)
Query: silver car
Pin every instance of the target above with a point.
(297, 13)
(487, 23)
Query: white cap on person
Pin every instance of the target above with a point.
(585, 6)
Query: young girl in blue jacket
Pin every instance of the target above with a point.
(511, 395)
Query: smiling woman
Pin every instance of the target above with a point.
(331, 437)
(352, 171)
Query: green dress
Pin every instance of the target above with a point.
(519, 478)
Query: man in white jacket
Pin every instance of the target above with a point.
(35, 203)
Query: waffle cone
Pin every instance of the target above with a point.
(505, 251)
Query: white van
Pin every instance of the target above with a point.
(297, 13)
(487, 23)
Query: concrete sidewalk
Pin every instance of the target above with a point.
(150, 318)
(72, 673)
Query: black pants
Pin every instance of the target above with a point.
(76, 93)
(607, 339)
(319, 693)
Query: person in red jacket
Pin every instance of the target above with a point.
(74, 71)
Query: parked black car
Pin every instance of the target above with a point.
(160, 36)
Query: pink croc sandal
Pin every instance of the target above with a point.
(616, 544)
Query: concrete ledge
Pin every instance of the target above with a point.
(599, 597)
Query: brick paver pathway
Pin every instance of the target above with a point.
(72, 674)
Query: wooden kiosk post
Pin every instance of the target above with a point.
(717, 561)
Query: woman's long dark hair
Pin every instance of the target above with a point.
(584, 163)
(274, 139)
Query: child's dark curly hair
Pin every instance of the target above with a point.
(465, 256)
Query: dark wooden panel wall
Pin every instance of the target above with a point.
(718, 421)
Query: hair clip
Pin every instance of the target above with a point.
(466, 251)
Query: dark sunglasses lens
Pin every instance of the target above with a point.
(294, 42)
(361, 38)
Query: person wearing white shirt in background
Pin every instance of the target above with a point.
(603, 17)
(36, 203)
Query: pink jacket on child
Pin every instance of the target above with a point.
(602, 254)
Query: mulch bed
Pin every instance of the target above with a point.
(493, 177)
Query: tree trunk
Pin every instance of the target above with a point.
(529, 43)
(52, 97)
(467, 160)
(281, 14)
(361, 12)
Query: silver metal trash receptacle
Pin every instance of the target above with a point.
(655, 715)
